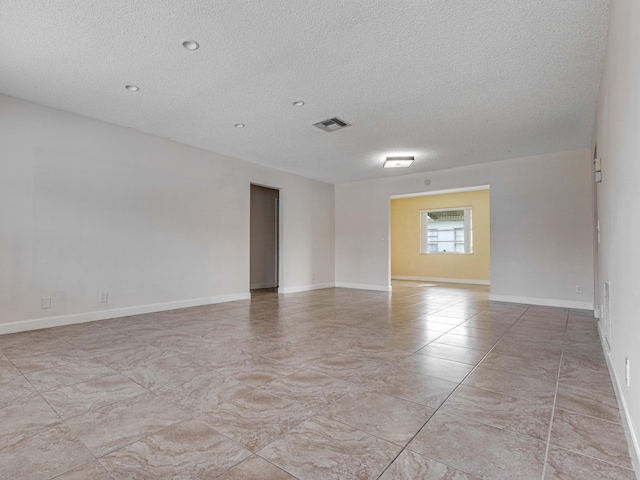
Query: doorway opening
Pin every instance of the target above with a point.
(441, 236)
(264, 241)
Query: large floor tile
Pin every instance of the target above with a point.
(517, 415)
(189, 451)
(411, 466)
(203, 393)
(32, 345)
(534, 351)
(46, 360)
(526, 388)
(255, 468)
(58, 377)
(103, 342)
(315, 390)
(256, 370)
(565, 465)
(40, 453)
(257, 418)
(111, 427)
(453, 353)
(572, 363)
(545, 369)
(26, 339)
(585, 378)
(27, 414)
(82, 397)
(349, 368)
(163, 372)
(7, 368)
(590, 436)
(133, 357)
(475, 343)
(389, 418)
(325, 449)
(15, 390)
(217, 356)
(436, 367)
(587, 402)
(422, 389)
(90, 471)
(480, 449)
(487, 332)
(441, 319)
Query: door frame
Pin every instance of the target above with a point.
(278, 233)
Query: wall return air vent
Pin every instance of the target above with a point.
(332, 124)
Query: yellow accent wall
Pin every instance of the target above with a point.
(406, 259)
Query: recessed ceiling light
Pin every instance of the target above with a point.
(398, 162)
(299, 103)
(239, 125)
(190, 45)
(132, 88)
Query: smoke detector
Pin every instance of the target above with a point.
(332, 124)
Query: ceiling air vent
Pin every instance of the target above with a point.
(332, 124)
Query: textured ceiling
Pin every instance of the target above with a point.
(453, 82)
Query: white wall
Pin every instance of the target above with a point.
(87, 206)
(618, 141)
(541, 226)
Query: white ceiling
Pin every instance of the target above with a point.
(453, 82)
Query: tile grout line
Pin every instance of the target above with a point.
(449, 396)
(555, 397)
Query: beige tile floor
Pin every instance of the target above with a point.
(431, 382)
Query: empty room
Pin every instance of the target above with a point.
(337, 240)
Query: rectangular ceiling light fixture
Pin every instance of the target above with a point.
(398, 162)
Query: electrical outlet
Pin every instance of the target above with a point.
(46, 302)
(627, 372)
(579, 289)
(103, 296)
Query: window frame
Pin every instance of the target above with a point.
(468, 231)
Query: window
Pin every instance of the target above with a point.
(446, 231)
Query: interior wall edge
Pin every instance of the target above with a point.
(60, 320)
(306, 288)
(546, 302)
(363, 286)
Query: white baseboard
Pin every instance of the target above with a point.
(305, 288)
(441, 280)
(547, 302)
(57, 321)
(363, 286)
(632, 438)
(596, 313)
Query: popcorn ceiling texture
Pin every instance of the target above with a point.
(454, 82)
